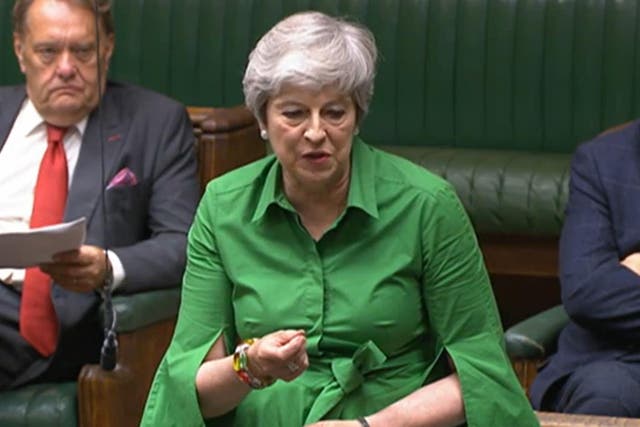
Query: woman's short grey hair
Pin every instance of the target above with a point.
(312, 50)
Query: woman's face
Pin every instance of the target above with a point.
(310, 133)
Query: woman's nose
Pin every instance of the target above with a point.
(315, 132)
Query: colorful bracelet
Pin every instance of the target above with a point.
(363, 421)
(241, 367)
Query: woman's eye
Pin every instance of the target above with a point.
(292, 114)
(335, 114)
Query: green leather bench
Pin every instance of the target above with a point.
(494, 95)
(150, 316)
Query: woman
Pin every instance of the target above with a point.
(331, 281)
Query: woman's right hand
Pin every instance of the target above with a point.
(279, 355)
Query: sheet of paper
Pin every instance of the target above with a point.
(37, 245)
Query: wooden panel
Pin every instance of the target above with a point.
(520, 297)
(226, 139)
(220, 153)
(520, 255)
(526, 371)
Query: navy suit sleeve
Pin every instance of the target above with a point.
(159, 260)
(597, 291)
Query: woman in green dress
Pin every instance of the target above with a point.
(331, 284)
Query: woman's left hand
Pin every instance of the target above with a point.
(336, 423)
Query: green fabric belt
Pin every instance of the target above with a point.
(348, 375)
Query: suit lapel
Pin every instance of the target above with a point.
(87, 184)
(10, 101)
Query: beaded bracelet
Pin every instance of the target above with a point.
(241, 367)
(363, 421)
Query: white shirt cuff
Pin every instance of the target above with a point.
(117, 269)
(12, 276)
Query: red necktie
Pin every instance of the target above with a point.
(38, 321)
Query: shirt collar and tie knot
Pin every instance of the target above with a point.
(55, 134)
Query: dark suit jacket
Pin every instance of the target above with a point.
(146, 223)
(601, 227)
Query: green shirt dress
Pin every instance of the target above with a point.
(393, 287)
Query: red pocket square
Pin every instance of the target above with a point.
(124, 178)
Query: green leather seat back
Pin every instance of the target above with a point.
(503, 191)
(51, 405)
(9, 72)
(508, 74)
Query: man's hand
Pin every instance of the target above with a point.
(632, 262)
(80, 270)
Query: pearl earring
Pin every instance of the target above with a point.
(263, 134)
(356, 131)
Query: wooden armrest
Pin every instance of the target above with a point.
(530, 342)
(117, 398)
(552, 419)
(536, 336)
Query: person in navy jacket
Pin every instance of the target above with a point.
(596, 369)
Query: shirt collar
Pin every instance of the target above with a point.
(30, 120)
(362, 193)
(362, 186)
(270, 190)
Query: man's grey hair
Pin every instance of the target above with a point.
(21, 7)
(312, 50)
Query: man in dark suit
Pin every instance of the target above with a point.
(596, 369)
(145, 142)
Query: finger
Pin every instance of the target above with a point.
(86, 254)
(77, 279)
(76, 285)
(291, 348)
(286, 335)
(303, 361)
(298, 365)
(65, 272)
(288, 350)
(67, 256)
(291, 371)
(47, 268)
(299, 361)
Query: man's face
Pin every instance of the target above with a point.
(57, 55)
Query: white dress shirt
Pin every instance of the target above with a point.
(20, 160)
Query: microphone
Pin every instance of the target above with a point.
(108, 353)
(109, 350)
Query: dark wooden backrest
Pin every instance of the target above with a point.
(226, 139)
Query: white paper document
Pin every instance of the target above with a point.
(37, 245)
